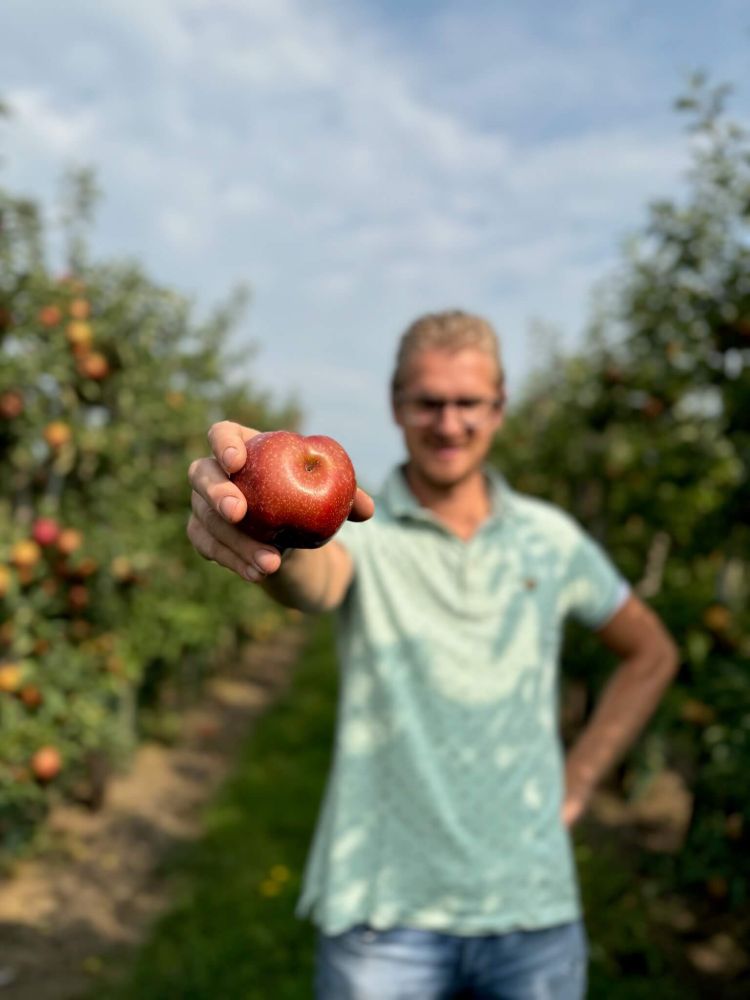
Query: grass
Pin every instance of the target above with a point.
(231, 932)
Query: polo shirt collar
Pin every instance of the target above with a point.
(401, 502)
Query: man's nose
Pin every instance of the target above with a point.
(449, 419)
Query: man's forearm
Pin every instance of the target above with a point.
(309, 580)
(626, 704)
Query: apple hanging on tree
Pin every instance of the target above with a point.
(50, 315)
(25, 554)
(45, 531)
(46, 763)
(80, 308)
(57, 434)
(69, 541)
(11, 404)
(94, 366)
(299, 490)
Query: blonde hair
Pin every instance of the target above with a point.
(452, 330)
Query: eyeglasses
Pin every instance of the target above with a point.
(422, 411)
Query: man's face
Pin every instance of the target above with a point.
(448, 412)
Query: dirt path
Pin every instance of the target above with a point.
(94, 894)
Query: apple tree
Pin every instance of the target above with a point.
(645, 437)
(108, 384)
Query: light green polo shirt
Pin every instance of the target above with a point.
(442, 809)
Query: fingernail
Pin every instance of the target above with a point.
(228, 506)
(253, 574)
(265, 560)
(229, 456)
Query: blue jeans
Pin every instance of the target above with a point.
(408, 964)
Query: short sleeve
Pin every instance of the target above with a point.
(594, 590)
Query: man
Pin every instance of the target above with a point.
(441, 860)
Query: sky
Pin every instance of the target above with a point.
(359, 163)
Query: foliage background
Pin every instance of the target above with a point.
(645, 437)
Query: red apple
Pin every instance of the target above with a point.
(50, 315)
(78, 597)
(46, 531)
(11, 404)
(69, 541)
(299, 490)
(94, 366)
(46, 763)
(31, 696)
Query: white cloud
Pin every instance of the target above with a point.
(180, 230)
(50, 129)
(242, 198)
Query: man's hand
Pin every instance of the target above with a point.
(575, 804)
(217, 506)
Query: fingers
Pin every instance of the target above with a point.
(571, 812)
(363, 507)
(227, 441)
(210, 482)
(208, 476)
(224, 544)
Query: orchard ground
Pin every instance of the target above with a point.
(95, 883)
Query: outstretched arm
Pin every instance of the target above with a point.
(307, 579)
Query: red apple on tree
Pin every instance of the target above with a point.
(78, 597)
(31, 696)
(50, 315)
(11, 404)
(45, 531)
(69, 541)
(299, 490)
(46, 763)
(94, 366)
